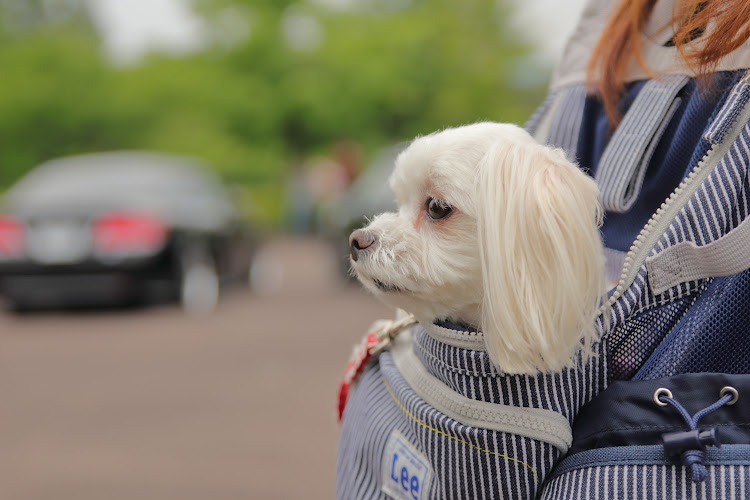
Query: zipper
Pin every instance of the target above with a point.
(665, 214)
(472, 340)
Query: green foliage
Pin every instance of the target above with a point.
(254, 107)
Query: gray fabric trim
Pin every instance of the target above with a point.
(540, 113)
(686, 261)
(566, 123)
(559, 123)
(625, 160)
(534, 423)
(543, 123)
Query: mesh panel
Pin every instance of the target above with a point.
(714, 335)
(631, 343)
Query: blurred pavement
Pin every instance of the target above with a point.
(152, 404)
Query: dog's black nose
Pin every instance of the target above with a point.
(360, 240)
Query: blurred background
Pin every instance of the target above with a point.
(178, 179)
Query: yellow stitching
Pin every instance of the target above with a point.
(426, 426)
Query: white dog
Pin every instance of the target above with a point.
(494, 231)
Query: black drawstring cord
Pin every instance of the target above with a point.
(691, 445)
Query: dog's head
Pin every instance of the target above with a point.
(496, 231)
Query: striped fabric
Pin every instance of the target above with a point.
(654, 482)
(468, 462)
(566, 123)
(472, 374)
(640, 472)
(535, 122)
(558, 119)
(736, 101)
(370, 416)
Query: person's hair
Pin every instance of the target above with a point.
(701, 50)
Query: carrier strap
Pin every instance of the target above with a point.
(558, 122)
(687, 261)
(623, 164)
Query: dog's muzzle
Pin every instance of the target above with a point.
(360, 241)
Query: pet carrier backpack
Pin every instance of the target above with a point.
(662, 410)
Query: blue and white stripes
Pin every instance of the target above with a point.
(641, 472)
(653, 482)
(468, 462)
(558, 120)
(471, 373)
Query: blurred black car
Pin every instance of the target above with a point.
(117, 228)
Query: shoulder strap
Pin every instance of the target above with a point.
(558, 121)
(686, 261)
(622, 167)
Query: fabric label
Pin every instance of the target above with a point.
(407, 474)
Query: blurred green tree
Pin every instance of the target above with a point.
(279, 81)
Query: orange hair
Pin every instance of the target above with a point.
(621, 41)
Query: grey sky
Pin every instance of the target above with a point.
(134, 27)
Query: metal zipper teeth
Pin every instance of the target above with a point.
(654, 229)
(463, 339)
(662, 218)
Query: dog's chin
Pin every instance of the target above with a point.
(415, 301)
(377, 285)
(387, 287)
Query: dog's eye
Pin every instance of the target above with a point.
(437, 209)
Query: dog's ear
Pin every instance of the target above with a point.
(542, 257)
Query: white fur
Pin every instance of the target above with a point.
(519, 256)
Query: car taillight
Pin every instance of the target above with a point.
(125, 234)
(12, 237)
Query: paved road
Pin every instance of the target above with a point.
(151, 404)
